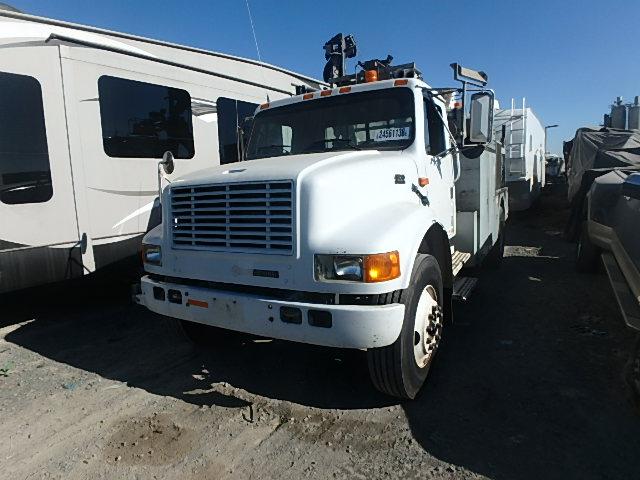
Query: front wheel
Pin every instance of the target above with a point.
(401, 368)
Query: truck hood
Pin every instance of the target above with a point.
(285, 167)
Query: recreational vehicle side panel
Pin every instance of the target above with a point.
(125, 113)
(39, 240)
(121, 102)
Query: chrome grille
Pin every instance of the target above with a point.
(238, 217)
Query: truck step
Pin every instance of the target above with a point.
(458, 259)
(462, 288)
(626, 301)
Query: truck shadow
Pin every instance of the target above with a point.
(93, 332)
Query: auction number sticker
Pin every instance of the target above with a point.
(387, 134)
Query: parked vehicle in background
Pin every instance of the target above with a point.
(554, 166)
(85, 114)
(591, 153)
(611, 233)
(348, 224)
(524, 154)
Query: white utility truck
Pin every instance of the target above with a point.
(348, 222)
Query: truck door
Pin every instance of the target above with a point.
(38, 226)
(439, 171)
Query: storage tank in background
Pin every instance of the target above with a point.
(619, 114)
(634, 114)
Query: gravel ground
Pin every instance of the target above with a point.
(529, 384)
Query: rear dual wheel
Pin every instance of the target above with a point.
(401, 368)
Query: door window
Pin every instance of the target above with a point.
(25, 174)
(144, 120)
(433, 128)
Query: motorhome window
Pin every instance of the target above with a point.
(370, 120)
(433, 128)
(234, 118)
(144, 120)
(25, 175)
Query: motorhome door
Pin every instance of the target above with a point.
(38, 226)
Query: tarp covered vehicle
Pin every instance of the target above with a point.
(595, 152)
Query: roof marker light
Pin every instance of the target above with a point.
(264, 106)
(307, 96)
(399, 83)
(370, 76)
(325, 93)
(344, 89)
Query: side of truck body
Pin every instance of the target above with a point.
(357, 245)
(86, 114)
(524, 154)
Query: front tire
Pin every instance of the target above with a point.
(401, 368)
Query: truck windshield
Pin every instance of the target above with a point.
(372, 120)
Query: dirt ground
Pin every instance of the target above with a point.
(529, 384)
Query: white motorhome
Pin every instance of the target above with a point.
(346, 227)
(85, 114)
(524, 146)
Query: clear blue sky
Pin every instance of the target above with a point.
(569, 58)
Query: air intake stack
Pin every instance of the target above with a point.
(634, 114)
(618, 116)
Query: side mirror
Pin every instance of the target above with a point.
(167, 162)
(631, 186)
(481, 121)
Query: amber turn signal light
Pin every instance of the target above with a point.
(381, 267)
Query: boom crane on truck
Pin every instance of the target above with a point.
(348, 224)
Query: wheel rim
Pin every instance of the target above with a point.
(427, 327)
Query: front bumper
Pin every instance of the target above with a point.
(352, 326)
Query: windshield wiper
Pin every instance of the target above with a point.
(345, 141)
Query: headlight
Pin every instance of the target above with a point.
(379, 267)
(152, 254)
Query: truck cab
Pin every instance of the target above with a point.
(338, 230)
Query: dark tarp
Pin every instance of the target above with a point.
(595, 152)
(604, 148)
